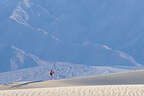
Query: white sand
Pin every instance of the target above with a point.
(121, 84)
(115, 90)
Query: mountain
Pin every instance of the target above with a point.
(90, 33)
(28, 67)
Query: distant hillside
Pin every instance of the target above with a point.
(62, 71)
(87, 32)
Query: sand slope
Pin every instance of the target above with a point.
(114, 90)
(124, 78)
(120, 84)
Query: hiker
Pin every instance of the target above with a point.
(52, 74)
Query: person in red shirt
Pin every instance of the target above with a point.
(52, 74)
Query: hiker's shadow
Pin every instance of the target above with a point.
(20, 85)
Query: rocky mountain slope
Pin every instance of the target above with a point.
(91, 33)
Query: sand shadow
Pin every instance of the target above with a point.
(20, 85)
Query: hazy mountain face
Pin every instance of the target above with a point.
(89, 32)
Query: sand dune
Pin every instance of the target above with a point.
(115, 90)
(119, 84)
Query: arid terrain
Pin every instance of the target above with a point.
(117, 84)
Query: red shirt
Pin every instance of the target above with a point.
(52, 72)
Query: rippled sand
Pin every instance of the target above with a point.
(114, 90)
